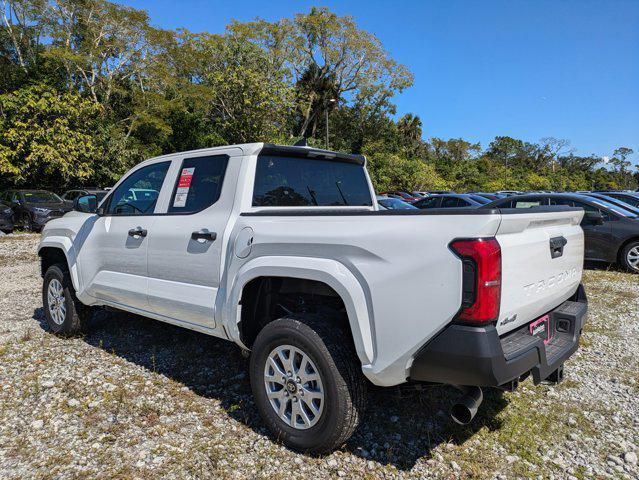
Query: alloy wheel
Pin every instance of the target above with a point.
(56, 301)
(294, 387)
(633, 258)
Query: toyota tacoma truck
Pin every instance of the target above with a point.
(284, 251)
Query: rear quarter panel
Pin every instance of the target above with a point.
(410, 277)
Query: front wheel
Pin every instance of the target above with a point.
(307, 383)
(65, 314)
(630, 257)
(27, 223)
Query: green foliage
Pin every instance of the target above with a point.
(47, 136)
(90, 88)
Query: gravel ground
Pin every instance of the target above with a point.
(134, 398)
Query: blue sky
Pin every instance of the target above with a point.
(528, 69)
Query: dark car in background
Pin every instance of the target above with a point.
(70, 195)
(614, 201)
(6, 218)
(33, 208)
(631, 198)
(388, 203)
(452, 200)
(407, 197)
(611, 232)
(488, 196)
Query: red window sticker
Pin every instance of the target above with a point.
(184, 184)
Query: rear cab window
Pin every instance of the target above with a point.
(283, 181)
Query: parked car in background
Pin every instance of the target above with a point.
(614, 201)
(387, 203)
(611, 232)
(6, 218)
(453, 200)
(32, 209)
(420, 194)
(407, 197)
(488, 196)
(70, 195)
(631, 198)
(509, 193)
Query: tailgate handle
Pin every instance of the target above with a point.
(557, 245)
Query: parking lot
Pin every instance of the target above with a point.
(134, 398)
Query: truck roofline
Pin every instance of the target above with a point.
(270, 149)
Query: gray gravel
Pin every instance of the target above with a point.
(134, 398)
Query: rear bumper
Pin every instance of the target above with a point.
(478, 356)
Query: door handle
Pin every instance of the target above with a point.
(203, 235)
(137, 232)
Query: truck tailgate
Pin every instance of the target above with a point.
(538, 273)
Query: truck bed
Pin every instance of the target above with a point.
(403, 261)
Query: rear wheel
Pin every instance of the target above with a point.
(307, 383)
(630, 257)
(65, 314)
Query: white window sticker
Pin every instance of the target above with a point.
(184, 184)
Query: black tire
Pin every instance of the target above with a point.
(345, 388)
(27, 223)
(632, 247)
(76, 313)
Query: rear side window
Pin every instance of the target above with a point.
(302, 182)
(427, 203)
(627, 199)
(450, 202)
(562, 201)
(199, 183)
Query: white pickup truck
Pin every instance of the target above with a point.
(283, 250)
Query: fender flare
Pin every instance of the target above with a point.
(330, 272)
(66, 246)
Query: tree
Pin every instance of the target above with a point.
(326, 52)
(101, 44)
(549, 149)
(46, 137)
(229, 80)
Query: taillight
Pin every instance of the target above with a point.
(481, 259)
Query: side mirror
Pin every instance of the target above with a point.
(592, 218)
(86, 204)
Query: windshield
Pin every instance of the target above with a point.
(395, 204)
(304, 182)
(41, 197)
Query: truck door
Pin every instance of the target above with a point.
(113, 258)
(187, 243)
